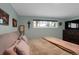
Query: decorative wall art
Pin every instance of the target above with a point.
(60, 23)
(21, 29)
(4, 18)
(28, 24)
(14, 22)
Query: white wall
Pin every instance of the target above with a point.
(40, 32)
(12, 14)
(32, 32)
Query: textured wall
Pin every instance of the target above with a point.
(12, 14)
(40, 32)
(32, 32)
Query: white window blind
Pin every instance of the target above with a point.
(45, 24)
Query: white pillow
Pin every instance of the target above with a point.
(22, 48)
(24, 38)
(11, 50)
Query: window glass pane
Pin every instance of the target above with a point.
(45, 24)
(34, 23)
(1, 21)
(73, 25)
(69, 25)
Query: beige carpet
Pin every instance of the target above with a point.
(43, 47)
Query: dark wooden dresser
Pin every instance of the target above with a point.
(71, 31)
(71, 36)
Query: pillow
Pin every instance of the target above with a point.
(10, 51)
(15, 43)
(24, 38)
(22, 48)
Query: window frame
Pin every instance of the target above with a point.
(46, 21)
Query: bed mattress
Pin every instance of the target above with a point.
(43, 47)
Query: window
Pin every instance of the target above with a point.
(1, 21)
(45, 24)
(73, 25)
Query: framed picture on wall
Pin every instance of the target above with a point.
(21, 29)
(4, 18)
(14, 22)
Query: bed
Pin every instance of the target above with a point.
(43, 47)
(66, 46)
(39, 46)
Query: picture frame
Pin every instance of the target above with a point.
(14, 22)
(21, 29)
(60, 23)
(4, 17)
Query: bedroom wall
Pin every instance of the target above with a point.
(40, 32)
(71, 18)
(12, 14)
(32, 32)
(7, 33)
